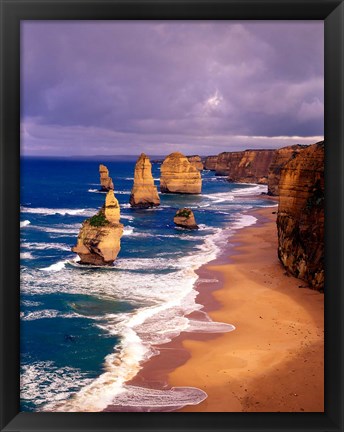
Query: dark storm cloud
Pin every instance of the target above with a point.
(96, 86)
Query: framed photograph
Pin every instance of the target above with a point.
(171, 215)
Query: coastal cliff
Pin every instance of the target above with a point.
(281, 157)
(106, 183)
(249, 166)
(253, 167)
(99, 237)
(178, 175)
(300, 218)
(144, 193)
(226, 161)
(210, 163)
(196, 161)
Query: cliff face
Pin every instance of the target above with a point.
(179, 176)
(196, 161)
(99, 237)
(253, 167)
(210, 163)
(281, 157)
(226, 161)
(249, 166)
(106, 183)
(300, 219)
(144, 193)
(185, 218)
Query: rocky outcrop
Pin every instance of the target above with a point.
(253, 167)
(196, 161)
(281, 157)
(185, 218)
(210, 163)
(300, 218)
(179, 176)
(106, 183)
(99, 238)
(144, 193)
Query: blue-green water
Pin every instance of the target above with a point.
(84, 330)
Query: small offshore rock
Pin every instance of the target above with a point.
(185, 218)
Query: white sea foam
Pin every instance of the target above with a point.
(26, 255)
(50, 211)
(55, 267)
(24, 223)
(243, 221)
(251, 189)
(127, 217)
(44, 381)
(141, 399)
(47, 313)
(30, 303)
(208, 327)
(62, 230)
(269, 205)
(128, 230)
(96, 191)
(220, 197)
(45, 246)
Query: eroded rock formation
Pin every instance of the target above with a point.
(144, 193)
(106, 183)
(99, 240)
(281, 157)
(185, 218)
(179, 176)
(210, 163)
(196, 161)
(300, 218)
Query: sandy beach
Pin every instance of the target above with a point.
(274, 359)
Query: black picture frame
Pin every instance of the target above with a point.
(12, 12)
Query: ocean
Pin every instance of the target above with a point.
(85, 331)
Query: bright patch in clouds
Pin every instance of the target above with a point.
(214, 101)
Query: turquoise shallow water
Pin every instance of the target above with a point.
(84, 330)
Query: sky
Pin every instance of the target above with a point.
(199, 87)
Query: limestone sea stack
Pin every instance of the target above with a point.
(300, 218)
(178, 175)
(99, 240)
(196, 161)
(185, 218)
(144, 193)
(106, 183)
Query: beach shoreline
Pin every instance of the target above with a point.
(273, 360)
